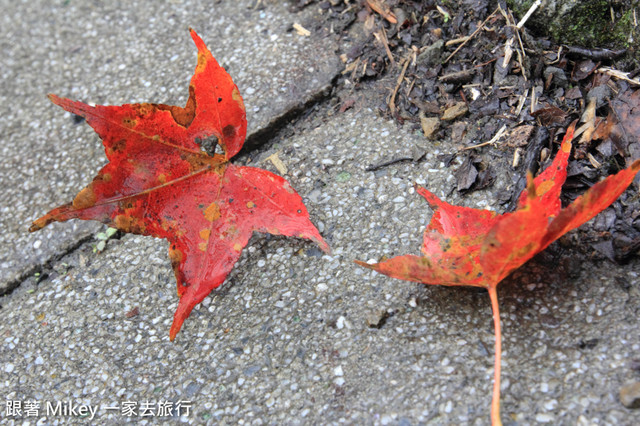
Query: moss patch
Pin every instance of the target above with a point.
(584, 23)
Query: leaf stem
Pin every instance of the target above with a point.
(495, 402)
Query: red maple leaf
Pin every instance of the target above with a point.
(471, 247)
(164, 179)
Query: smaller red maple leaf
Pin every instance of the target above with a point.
(164, 179)
(471, 247)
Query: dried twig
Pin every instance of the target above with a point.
(374, 167)
(489, 142)
(392, 101)
(595, 53)
(527, 15)
(523, 99)
(351, 67)
(619, 75)
(472, 35)
(534, 101)
(508, 50)
(381, 36)
(301, 30)
(382, 10)
(456, 41)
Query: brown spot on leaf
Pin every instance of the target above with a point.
(235, 95)
(129, 122)
(129, 224)
(202, 63)
(85, 198)
(212, 212)
(544, 187)
(250, 204)
(228, 132)
(175, 255)
(119, 146)
(144, 109)
(204, 234)
(201, 161)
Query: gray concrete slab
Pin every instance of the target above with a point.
(114, 53)
(286, 340)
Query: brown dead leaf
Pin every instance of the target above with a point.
(584, 69)
(627, 108)
(277, 163)
(349, 103)
(589, 120)
(604, 127)
(466, 175)
(520, 136)
(550, 115)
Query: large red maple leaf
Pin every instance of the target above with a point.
(164, 179)
(471, 247)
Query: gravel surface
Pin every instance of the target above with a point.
(293, 336)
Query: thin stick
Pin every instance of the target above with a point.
(383, 11)
(523, 99)
(495, 401)
(494, 139)
(382, 38)
(472, 35)
(619, 75)
(456, 41)
(529, 13)
(392, 102)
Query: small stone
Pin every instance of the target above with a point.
(377, 318)
(458, 110)
(458, 130)
(431, 55)
(600, 93)
(269, 402)
(543, 418)
(559, 77)
(429, 125)
(338, 371)
(630, 395)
